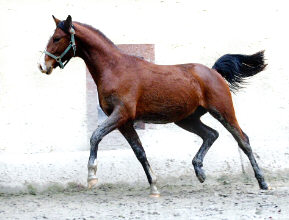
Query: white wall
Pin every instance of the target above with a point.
(39, 113)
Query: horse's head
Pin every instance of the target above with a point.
(60, 48)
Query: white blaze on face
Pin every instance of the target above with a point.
(42, 62)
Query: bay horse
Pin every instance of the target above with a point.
(132, 89)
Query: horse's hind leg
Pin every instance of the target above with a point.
(131, 136)
(227, 117)
(193, 124)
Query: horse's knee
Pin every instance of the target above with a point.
(197, 162)
(95, 138)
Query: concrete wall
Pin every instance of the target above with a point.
(44, 116)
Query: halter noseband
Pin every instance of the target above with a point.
(71, 45)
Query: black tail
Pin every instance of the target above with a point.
(235, 67)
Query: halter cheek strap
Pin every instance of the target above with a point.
(71, 45)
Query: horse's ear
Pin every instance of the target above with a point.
(56, 20)
(68, 22)
(68, 25)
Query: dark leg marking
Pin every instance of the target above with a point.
(193, 124)
(244, 144)
(131, 136)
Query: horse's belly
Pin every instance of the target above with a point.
(164, 114)
(156, 118)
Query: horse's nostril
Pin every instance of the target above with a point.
(43, 70)
(40, 68)
(49, 70)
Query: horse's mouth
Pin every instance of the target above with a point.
(48, 71)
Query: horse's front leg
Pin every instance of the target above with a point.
(131, 136)
(115, 120)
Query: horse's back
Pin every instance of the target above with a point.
(167, 93)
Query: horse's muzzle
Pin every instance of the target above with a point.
(45, 70)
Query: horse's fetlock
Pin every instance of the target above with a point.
(197, 162)
(259, 175)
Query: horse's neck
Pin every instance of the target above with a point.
(98, 53)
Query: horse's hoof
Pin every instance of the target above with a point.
(202, 178)
(263, 185)
(200, 175)
(92, 183)
(154, 191)
(155, 195)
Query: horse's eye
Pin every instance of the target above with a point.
(56, 39)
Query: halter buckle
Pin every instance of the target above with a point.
(58, 59)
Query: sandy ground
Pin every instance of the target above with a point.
(225, 198)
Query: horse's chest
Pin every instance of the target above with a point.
(107, 103)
